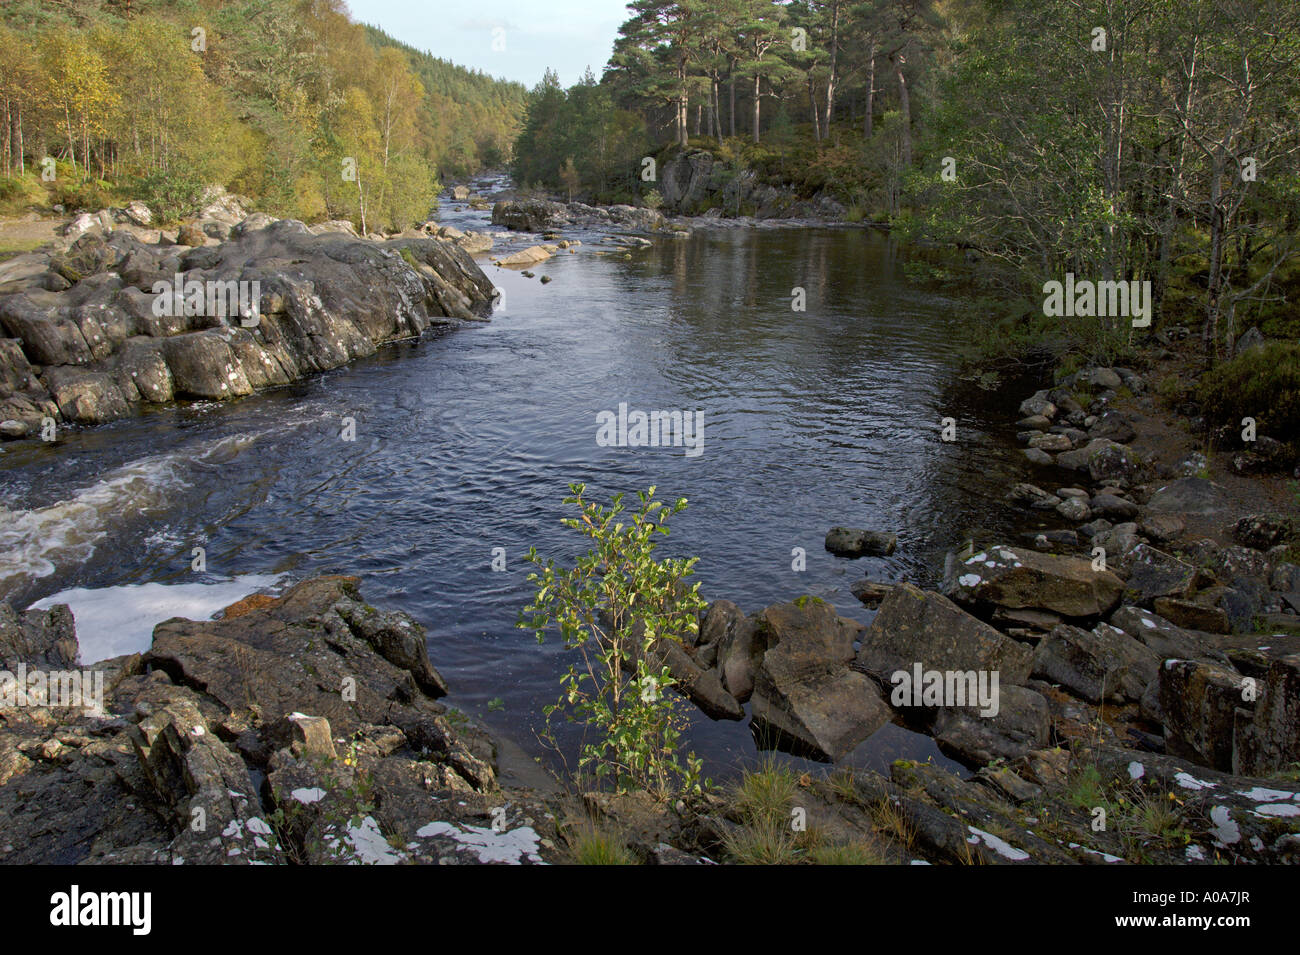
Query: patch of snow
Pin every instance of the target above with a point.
(1136, 770)
(969, 580)
(1188, 781)
(510, 847)
(1004, 849)
(1260, 794)
(1105, 856)
(308, 796)
(369, 847)
(1225, 831)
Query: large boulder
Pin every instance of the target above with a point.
(855, 542)
(1267, 740)
(42, 639)
(319, 649)
(1102, 665)
(530, 215)
(1021, 724)
(810, 628)
(815, 709)
(1190, 495)
(1164, 638)
(529, 256)
(1198, 704)
(915, 626)
(806, 699)
(1153, 573)
(701, 686)
(740, 651)
(1027, 579)
(86, 397)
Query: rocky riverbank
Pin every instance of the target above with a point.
(126, 316)
(306, 729)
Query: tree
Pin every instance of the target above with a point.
(761, 31)
(79, 92)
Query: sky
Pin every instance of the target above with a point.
(513, 39)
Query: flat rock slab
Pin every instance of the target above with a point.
(1023, 578)
(818, 710)
(915, 626)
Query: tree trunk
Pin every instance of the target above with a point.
(871, 93)
(731, 82)
(757, 94)
(831, 78)
(1210, 332)
(9, 136)
(717, 111)
(904, 110)
(812, 102)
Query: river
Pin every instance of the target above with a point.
(466, 441)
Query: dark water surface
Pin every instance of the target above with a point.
(467, 440)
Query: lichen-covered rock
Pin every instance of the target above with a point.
(1025, 579)
(1102, 665)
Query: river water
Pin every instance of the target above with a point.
(466, 441)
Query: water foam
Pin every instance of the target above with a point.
(35, 543)
(112, 621)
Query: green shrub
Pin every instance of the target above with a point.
(169, 194)
(614, 608)
(88, 196)
(1263, 383)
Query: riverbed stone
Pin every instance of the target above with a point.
(1154, 573)
(1017, 578)
(916, 626)
(811, 708)
(1101, 665)
(1034, 497)
(1038, 404)
(1038, 456)
(1021, 724)
(856, 542)
(1050, 442)
(1192, 614)
(1073, 509)
(1113, 507)
(1198, 702)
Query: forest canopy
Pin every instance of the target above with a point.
(274, 99)
(1121, 140)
